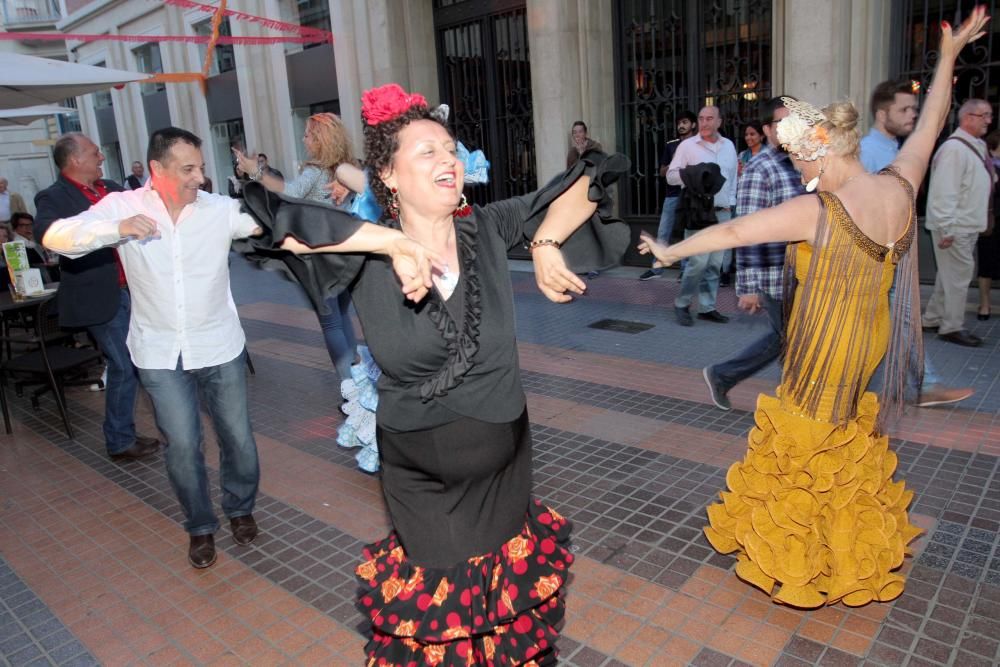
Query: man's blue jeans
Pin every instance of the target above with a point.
(667, 218)
(701, 275)
(223, 389)
(123, 382)
(758, 354)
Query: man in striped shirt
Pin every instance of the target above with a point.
(768, 180)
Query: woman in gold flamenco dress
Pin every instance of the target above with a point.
(812, 512)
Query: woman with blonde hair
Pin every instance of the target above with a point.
(811, 511)
(327, 147)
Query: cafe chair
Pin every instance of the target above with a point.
(48, 361)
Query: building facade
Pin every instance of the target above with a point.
(515, 73)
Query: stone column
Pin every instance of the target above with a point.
(843, 60)
(572, 76)
(378, 42)
(130, 116)
(264, 96)
(188, 107)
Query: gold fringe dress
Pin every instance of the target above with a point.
(811, 511)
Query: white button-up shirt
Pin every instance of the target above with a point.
(695, 150)
(179, 283)
(958, 197)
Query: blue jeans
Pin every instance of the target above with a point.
(123, 382)
(914, 383)
(758, 354)
(223, 389)
(667, 218)
(338, 333)
(701, 276)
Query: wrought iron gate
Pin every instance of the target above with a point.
(485, 77)
(918, 27)
(677, 55)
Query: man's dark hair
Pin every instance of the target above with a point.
(162, 140)
(17, 217)
(65, 148)
(261, 155)
(885, 94)
(772, 105)
(136, 162)
(581, 124)
(689, 115)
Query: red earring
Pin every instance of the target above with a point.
(394, 203)
(463, 209)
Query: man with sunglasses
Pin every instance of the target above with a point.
(768, 180)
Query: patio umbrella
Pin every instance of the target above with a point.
(29, 81)
(28, 115)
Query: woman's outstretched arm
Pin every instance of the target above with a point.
(794, 220)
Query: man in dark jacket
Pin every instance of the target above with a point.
(93, 293)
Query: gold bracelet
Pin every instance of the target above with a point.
(542, 242)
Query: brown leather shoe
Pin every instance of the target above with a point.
(142, 448)
(201, 552)
(244, 529)
(937, 394)
(961, 337)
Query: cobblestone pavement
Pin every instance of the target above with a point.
(93, 563)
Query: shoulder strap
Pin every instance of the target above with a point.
(984, 158)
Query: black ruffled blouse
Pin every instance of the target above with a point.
(440, 359)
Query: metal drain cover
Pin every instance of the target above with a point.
(621, 326)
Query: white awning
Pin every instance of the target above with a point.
(29, 81)
(28, 115)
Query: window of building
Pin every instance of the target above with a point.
(113, 162)
(226, 136)
(223, 59)
(69, 122)
(102, 98)
(147, 59)
(314, 14)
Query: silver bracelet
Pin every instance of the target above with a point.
(256, 176)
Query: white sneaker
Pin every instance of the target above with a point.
(99, 386)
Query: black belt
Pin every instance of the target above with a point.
(721, 208)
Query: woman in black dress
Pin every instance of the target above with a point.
(473, 570)
(988, 245)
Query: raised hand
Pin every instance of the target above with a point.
(952, 42)
(246, 164)
(553, 276)
(138, 227)
(649, 245)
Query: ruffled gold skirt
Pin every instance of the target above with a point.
(812, 512)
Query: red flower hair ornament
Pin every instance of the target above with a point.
(384, 103)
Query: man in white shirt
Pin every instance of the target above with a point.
(185, 336)
(958, 209)
(701, 275)
(10, 202)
